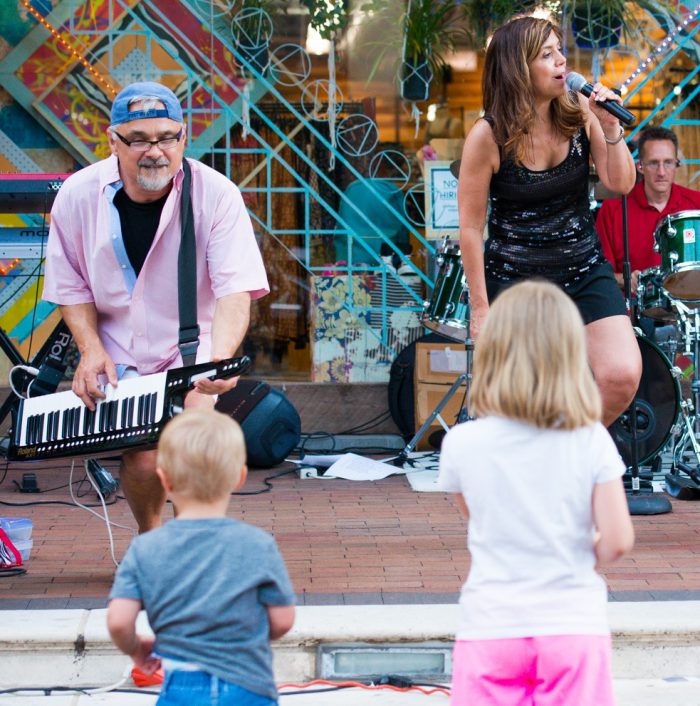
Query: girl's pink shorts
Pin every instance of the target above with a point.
(553, 670)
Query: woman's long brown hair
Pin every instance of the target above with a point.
(507, 88)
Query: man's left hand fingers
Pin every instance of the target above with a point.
(215, 387)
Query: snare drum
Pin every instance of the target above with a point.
(658, 406)
(448, 310)
(652, 300)
(675, 237)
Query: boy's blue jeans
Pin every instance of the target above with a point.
(183, 688)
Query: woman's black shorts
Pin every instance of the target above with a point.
(597, 294)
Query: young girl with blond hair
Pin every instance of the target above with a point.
(539, 479)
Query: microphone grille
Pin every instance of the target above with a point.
(574, 81)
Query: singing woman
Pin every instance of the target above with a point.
(525, 166)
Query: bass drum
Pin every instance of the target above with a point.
(658, 407)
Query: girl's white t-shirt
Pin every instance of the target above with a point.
(530, 534)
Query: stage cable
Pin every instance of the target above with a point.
(267, 483)
(369, 424)
(105, 516)
(391, 682)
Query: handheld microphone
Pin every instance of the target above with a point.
(576, 82)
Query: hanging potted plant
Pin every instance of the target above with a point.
(251, 28)
(597, 24)
(431, 31)
(484, 16)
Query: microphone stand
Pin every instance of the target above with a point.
(638, 503)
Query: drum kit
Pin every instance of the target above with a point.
(667, 405)
(667, 414)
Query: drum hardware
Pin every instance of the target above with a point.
(653, 301)
(625, 431)
(404, 455)
(689, 435)
(686, 449)
(666, 294)
(677, 485)
(446, 313)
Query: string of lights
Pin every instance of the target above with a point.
(67, 46)
(5, 268)
(662, 47)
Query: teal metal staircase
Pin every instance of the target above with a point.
(67, 69)
(87, 50)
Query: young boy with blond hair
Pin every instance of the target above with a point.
(215, 589)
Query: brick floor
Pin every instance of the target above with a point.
(344, 542)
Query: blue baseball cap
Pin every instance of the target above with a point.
(150, 89)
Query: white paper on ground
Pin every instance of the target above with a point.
(353, 467)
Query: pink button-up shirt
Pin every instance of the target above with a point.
(138, 319)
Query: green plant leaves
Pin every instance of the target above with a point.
(327, 16)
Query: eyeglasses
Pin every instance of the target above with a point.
(166, 143)
(655, 165)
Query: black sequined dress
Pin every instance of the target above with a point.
(540, 222)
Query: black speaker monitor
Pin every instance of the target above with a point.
(270, 423)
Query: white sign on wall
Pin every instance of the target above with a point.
(441, 215)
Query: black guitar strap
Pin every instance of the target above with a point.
(188, 339)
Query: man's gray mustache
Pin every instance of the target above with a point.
(153, 163)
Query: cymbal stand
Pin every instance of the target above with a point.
(638, 503)
(688, 441)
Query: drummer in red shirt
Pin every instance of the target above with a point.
(653, 197)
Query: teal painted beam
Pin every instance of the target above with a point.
(212, 134)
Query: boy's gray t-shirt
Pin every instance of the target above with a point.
(205, 585)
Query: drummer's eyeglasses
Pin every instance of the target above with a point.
(655, 165)
(165, 143)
